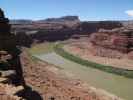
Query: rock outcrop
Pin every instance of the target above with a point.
(10, 74)
(110, 42)
(9, 53)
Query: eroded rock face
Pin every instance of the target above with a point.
(120, 40)
(9, 53)
(10, 67)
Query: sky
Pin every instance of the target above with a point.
(87, 10)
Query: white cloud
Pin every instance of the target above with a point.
(129, 12)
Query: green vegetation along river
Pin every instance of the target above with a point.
(115, 84)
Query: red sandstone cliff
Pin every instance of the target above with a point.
(116, 40)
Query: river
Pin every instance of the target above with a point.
(115, 84)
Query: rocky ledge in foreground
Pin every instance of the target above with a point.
(8, 90)
(8, 62)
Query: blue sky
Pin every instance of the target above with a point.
(85, 9)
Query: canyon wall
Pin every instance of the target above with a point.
(110, 42)
(54, 29)
(112, 38)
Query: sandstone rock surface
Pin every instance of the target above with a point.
(109, 42)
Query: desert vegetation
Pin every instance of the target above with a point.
(110, 69)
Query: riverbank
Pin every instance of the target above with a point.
(118, 71)
(50, 83)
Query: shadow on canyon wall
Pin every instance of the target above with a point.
(27, 35)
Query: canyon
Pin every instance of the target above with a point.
(55, 29)
(105, 36)
(31, 78)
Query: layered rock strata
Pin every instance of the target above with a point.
(113, 41)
